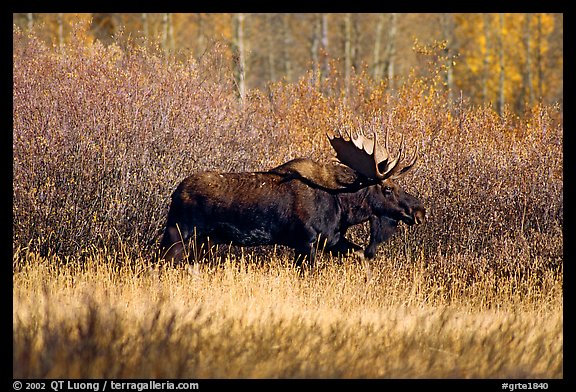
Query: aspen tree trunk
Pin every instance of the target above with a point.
(355, 49)
(286, 44)
(539, 57)
(239, 59)
(315, 47)
(501, 64)
(390, 55)
(60, 21)
(448, 36)
(271, 63)
(165, 31)
(171, 33)
(200, 37)
(377, 67)
(145, 31)
(167, 34)
(30, 19)
(486, 60)
(324, 42)
(528, 71)
(347, 53)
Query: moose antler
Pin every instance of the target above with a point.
(368, 157)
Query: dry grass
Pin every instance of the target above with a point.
(102, 135)
(239, 320)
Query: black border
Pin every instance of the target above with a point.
(366, 6)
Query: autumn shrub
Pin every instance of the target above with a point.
(102, 136)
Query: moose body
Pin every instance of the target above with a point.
(301, 204)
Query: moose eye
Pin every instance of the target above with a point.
(387, 190)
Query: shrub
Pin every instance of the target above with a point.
(103, 135)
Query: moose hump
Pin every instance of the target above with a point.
(335, 176)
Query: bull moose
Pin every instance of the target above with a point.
(301, 204)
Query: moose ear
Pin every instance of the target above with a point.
(382, 165)
(344, 177)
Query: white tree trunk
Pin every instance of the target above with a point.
(240, 61)
(501, 82)
(390, 54)
(347, 52)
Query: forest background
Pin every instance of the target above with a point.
(501, 59)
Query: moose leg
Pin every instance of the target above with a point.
(381, 228)
(344, 247)
(307, 252)
(171, 246)
(200, 248)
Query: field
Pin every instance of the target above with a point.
(246, 321)
(102, 136)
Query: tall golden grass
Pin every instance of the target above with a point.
(241, 320)
(102, 135)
